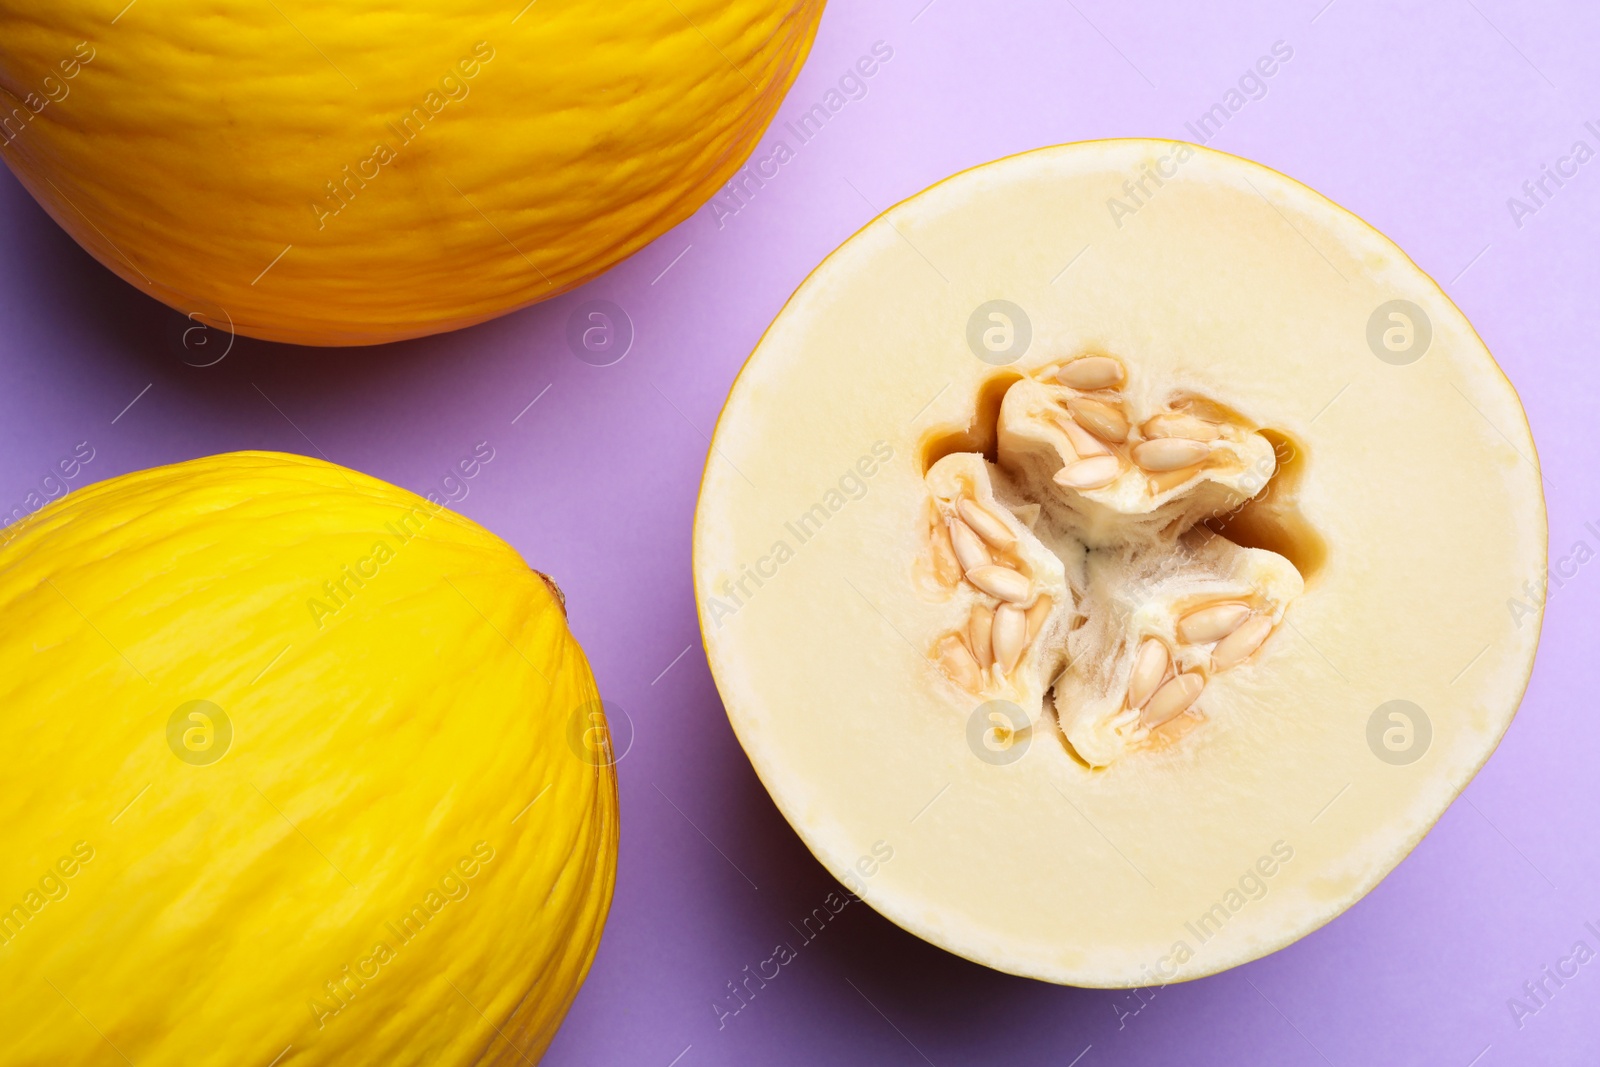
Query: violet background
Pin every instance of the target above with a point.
(1422, 121)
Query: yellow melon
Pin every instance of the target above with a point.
(338, 175)
(300, 765)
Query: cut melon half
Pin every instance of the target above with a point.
(1128, 543)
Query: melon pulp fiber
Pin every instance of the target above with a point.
(1331, 576)
(342, 173)
(295, 760)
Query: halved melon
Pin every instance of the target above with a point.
(1128, 542)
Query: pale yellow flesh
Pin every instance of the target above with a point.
(428, 720)
(1232, 281)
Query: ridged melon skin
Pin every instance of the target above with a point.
(198, 141)
(384, 758)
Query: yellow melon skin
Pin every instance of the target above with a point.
(394, 172)
(404, 854)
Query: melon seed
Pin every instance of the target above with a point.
(1169, 453)
(1099, 418)
(1037, 614)
(1058, 438)
(959, 664)
(1090, 372)
(1149, 667)
(969, 547)
(980, 634)
(1093, 473)
(987, 525)
(1239, 645)
(1161, 483)
(1126, 718)
(946, 567)
(1179, 425)
(1002, 583)
(1172, 699)
(1084, 443)
(1212, 623)
(1010, 636)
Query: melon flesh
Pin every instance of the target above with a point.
(1371, 503)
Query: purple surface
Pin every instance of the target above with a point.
(1424, 122)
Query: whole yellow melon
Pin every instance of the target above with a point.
(300, 768)
(338, 174)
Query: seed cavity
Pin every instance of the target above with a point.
(1095, 473)
(1071, 423)
(1241, 644)
(1212, 623)
(1169, 453)
(1099, 418)
(1091, 372)
(1002, 583)
(1172, 700)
